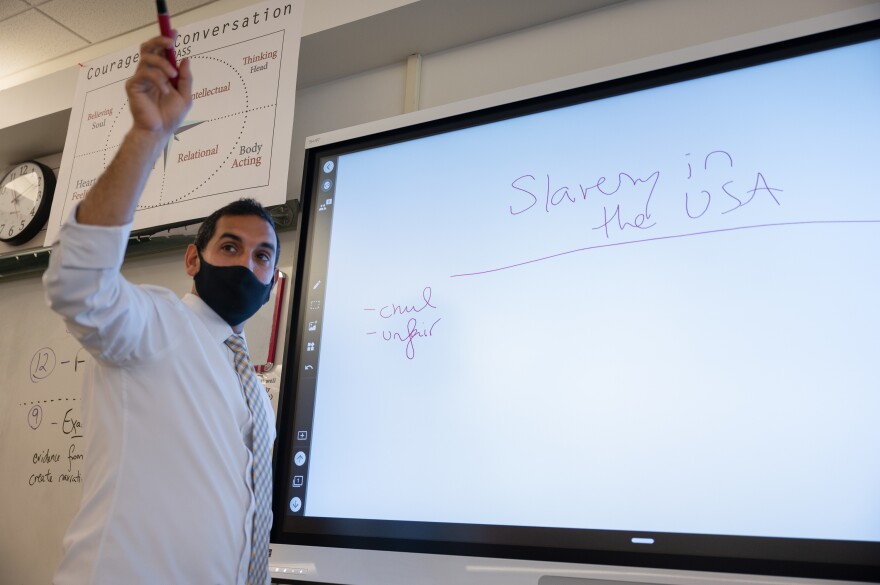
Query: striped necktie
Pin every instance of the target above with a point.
(258, 569)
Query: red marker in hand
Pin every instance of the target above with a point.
(165, 29)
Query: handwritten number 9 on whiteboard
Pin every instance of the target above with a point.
(35, 417)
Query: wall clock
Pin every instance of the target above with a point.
(25, 200)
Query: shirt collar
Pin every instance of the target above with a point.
(219, 329)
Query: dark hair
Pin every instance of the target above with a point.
(240, 207)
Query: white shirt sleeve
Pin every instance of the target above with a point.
(107, 314)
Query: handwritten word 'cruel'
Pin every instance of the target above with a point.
(389, 311)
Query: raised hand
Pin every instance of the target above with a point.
(156, 106)
(157, 109)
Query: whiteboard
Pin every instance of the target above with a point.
(652, 312)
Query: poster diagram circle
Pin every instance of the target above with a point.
(203, 144)
(225, 147)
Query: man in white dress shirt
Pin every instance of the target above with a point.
(168, 495)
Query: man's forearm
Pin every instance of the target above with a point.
(115, 195)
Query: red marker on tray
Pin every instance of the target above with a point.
(165, 29)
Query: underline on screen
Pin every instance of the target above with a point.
(659, 238)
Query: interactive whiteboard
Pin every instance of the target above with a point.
(650, 314)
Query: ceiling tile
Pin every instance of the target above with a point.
(31, 38)
(11, 8)
(98, 20)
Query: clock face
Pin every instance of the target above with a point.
(25, 200)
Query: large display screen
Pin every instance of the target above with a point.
(635, 322)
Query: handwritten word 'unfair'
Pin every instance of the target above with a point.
(414, 327)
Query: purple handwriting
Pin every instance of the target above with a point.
(391, 310)
(696, 210)
(554, 197)
(619, 215)
(696, 205)
(696, 199)
(601, 187)
(412, 333)
(640, 219)
(413, 328)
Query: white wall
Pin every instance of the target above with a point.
(623, 32)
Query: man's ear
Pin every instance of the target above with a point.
(191, 260)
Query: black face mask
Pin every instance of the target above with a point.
(232, 291)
